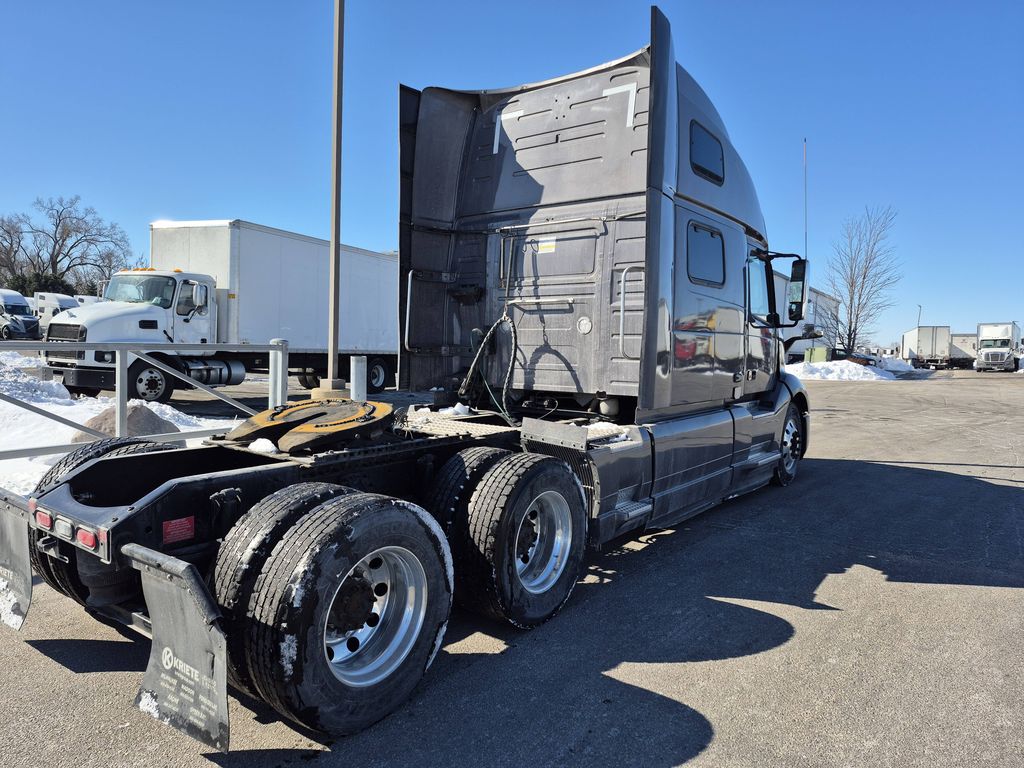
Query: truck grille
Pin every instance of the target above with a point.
(61, 332)
(995, 357)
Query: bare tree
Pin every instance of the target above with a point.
(68, 242)
(862, 273)
(12, 257)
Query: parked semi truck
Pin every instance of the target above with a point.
(233, 282)
(927, 346)
(963, 349)
(586, 277)
(17, 320)
(999, 347)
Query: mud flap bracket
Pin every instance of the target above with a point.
(185, 684)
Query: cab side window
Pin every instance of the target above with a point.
(705, 255)
(185, 304)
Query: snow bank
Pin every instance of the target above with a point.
(838, 370)
(22, 429)
(895, 365)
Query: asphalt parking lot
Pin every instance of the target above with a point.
(869, 614)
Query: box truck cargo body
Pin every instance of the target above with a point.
(999, 347)
(234, 282)
(963, 348)
(927, 345)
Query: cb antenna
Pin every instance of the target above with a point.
(805, 197)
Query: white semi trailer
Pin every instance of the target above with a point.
(233, 282)
(927, 346)
(999, 347)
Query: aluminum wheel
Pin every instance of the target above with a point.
(791, 446)
(376, 616)
(377, 376)
(543, 542)
(150, 383)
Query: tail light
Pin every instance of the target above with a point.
(44, 519)
(86, 538)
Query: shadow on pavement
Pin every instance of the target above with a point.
(555, 697)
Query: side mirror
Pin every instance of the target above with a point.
(797, 294)
(199, 295)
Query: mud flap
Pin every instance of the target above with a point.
(185, 684)
(15, 567)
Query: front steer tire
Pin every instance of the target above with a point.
(791, 448)
(243, 554)
(318, 587)
(499, 575)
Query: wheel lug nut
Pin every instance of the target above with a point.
(373, 621)
(380, 590)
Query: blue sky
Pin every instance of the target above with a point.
(207, 109)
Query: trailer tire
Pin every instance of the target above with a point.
(149, 383)
(377, 371)
(791, 447)
(309, 379)
(520, 547)
(243, 554)
(454, 484)
(60, 576)
(327, 589)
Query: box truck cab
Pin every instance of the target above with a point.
(232, 282)
(49, 305)
(999, 347)
(17, 320)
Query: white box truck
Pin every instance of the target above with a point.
(963, 349)
(234, 282)
(927, 346)
(48, 305)
(999, 347)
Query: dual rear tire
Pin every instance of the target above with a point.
(339, 606)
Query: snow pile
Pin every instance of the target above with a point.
(18, 360)
(838, 370)
(895, 365)
(23, 429)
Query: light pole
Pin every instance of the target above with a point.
(334, 383)
(918, 315)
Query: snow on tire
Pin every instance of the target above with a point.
(349, 611)
(243, 553)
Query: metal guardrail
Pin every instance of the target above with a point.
(124, 353)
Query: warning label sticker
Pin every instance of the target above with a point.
(546, 244)
(182, 529)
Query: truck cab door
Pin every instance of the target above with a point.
(195, 313)
(757, 412)
(761, 356)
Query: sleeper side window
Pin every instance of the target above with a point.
(706, 156)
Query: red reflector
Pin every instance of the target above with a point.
(182, 529)
(86, 538)
(32, 505)
(43, 520)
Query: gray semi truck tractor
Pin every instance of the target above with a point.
(586, 297)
